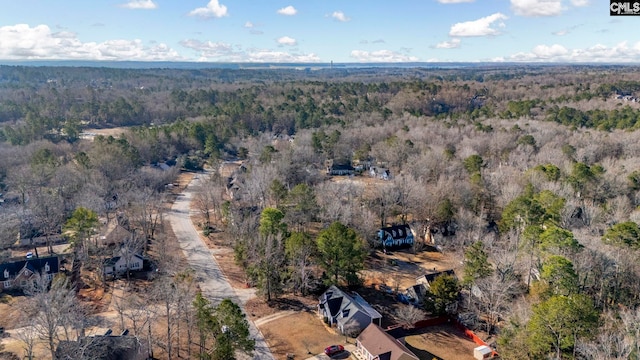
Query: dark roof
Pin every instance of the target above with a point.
(397, 231)
(112, 261)
(433, 276)
(115, 259)
(35, 265)
(347, 167)
(337, 300)
(103, 347)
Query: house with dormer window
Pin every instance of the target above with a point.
(395, 236)
(18, 274)
(349, 313)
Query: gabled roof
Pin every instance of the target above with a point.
(114, 260)
(117, 235)
(337, 300)
(397, 231)
(378, 343)
(110, 262)
(34, 265)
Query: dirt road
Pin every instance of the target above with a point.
(212, 281)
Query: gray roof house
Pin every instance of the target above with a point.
(340, 169)
(349, 313)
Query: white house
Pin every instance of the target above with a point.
(117, 265)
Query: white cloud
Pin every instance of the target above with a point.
(381, 56)
(580, 3)
(453, 44)
(218, 51)
(535, 8)
(213, 9)
(289, 11)
(248, 25)
(140, 4)
(262, 55)
(566, 31)
(340, 16)
(285, 40)
(209, 49)
(480, 27)
(619, 53)
(23, 42)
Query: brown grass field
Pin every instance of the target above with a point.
(302, 334)
(444, 342)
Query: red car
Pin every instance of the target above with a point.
(333, 349)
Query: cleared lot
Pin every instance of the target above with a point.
(444, 342)
(302, 334)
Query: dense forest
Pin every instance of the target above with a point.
(529, 174)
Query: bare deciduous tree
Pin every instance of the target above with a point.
(50, 308)
(494, 298)
(408, 315)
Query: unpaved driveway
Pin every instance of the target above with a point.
(212, 281)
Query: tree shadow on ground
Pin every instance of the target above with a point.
(422, 354)
(283, 304)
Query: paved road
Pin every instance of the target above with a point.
(213, 283)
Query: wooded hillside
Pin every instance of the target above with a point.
(532, 173)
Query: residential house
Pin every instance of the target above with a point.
(349, 313)
(31, 234)
(233, 171)
(119, 265)
(340, 170)
(376, 344)
(395, 236)
(19, 274)
(103, 347)
(116, 236)
(427, 279)
(378, 172)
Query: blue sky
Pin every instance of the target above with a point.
(317, 30)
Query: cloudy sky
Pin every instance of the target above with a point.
(317, 30)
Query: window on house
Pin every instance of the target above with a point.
(7, 284)
(6, 273)
(46, 267)
(345, 313)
